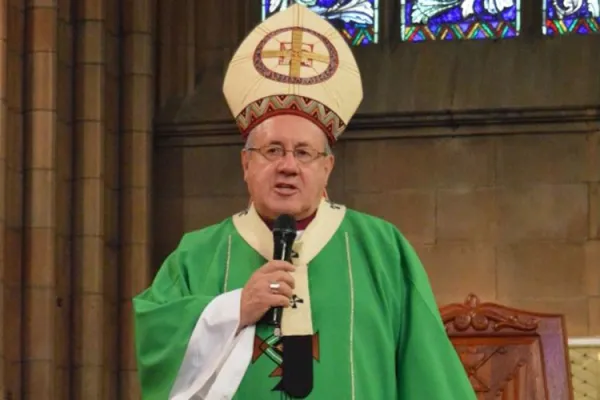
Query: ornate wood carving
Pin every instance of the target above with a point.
(483, 317)
(503, 370)
(508, 353)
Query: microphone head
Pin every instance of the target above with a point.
(284, 224)
(284, 234)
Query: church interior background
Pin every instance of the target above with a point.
(478, 136)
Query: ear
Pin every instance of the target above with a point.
(329, 163)
(245, 159)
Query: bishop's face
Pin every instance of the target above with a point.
(285, 166)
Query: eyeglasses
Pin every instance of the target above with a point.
(274, 152)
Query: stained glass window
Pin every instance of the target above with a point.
(459, 19)
(562, 17)
(357, 20)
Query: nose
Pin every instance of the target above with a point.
(288, 164)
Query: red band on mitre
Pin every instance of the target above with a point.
(267, 107)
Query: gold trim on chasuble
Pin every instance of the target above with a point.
(295, 320)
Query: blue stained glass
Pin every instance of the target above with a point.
(581, 18)
(357, 20)
(459, 19)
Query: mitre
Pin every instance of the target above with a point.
(294, 62)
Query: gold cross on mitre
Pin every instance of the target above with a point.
(296, 53)
(294, 62)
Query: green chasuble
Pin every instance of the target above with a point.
(377, 333)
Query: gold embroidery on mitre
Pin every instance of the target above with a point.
(294, 62)
(309, 56)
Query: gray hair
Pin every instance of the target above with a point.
(250, 139)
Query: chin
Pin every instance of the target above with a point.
(286, 206)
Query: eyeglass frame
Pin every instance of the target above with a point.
(260, 150)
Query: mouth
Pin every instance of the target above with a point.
(285, 189)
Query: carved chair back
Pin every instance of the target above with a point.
(510, 354)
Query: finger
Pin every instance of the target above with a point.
(277, 300)
(281, 276)
(277, 265)
(283, 289)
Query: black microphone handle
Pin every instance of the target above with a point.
(277, 312)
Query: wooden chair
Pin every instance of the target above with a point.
(510, 354)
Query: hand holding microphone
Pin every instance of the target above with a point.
(271, 286)
(258, 297)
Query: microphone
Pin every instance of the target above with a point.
(297, 359)
(284, 234)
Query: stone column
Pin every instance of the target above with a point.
(94, 186)
(76, 114)
(11, 177)
(40, 253)
(3, 139)
(112, 214)
(64, 203)
(136, 163)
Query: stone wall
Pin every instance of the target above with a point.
(513, 218)
(76, 110)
